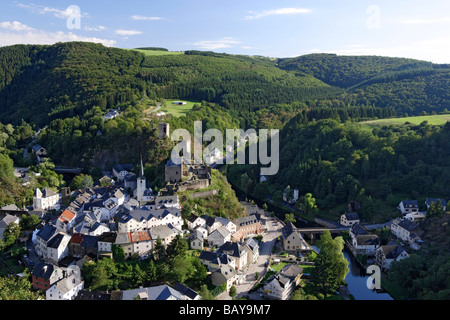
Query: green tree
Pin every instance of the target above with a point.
(83, 181)
(233, 292)
(205, 293)
(29, 222)
(18, 289)
(118, 253)
(436, 209)
(307, 204)
(331, 267)
(289, 217)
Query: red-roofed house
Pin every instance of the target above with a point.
(66, 221)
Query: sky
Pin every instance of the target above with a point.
(272, 28)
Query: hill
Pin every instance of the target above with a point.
(409, 86)
(43, 83)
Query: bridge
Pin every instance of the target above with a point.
(61, 170)
(321, 230)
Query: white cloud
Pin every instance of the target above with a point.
(223, 43)
(277, 12)
(70, 11)
(98, 28)
(18, 33)
(15, 26)
(143, 18)
(122, 32)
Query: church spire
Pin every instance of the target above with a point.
(142, 168)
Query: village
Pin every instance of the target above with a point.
(259, 255)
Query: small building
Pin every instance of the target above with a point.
(293, 241)
(45, 275)
(173, 172)
(68, 287)
(386, 255)
(349, 219)
(408, 206)
(196, 240)
(408, 231)
(46, 200)
(160, 293)
(164, 130)
(219, 236)
(246, 227)
(58, 248)
(40, 152)
(362, 241)
(281, 285)
(226, 274)
(120, 171)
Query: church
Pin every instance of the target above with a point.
(143, 194)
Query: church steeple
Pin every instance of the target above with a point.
(142, 168)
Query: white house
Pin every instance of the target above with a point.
(105, 242)
(408, 206)
(408, 231)
(120, 171)
(219, 236)
(362, 241)
(137, 220)
(66, 221)
(195, 221)
(43, 236)
(46, 200)
(227, 224)
(349, 219)
(196, 240)
(68, 287)
(58, 248)
(281, 285)
(386, 255)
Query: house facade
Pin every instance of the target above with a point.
(349, 219)
(386, 255)
(46, 200)
(281, 285)
(293, 241)
(407, 231)
(362, 242)
(408, 206)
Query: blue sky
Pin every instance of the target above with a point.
(283, 28)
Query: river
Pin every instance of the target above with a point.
(357, 282)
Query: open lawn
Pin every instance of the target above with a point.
(176, 110)
(435, 120)
(157, 52)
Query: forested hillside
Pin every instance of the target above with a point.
(409, 86)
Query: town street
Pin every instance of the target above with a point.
(273, 231)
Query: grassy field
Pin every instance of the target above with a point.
(176, 110)
(157, 52)
(435, 120)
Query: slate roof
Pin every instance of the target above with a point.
(46, 232)
(351, 216)
(413, 203)
(188, 292)
(392, 251)
(55, 242)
